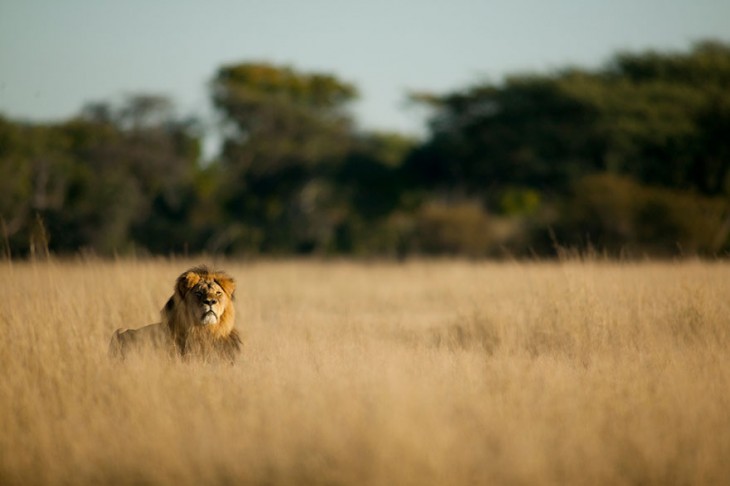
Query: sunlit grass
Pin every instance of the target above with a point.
(447, 372)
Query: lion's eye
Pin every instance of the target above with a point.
(219, 293)
(199, 293)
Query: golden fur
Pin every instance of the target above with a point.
(197, 321)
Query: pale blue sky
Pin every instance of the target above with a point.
(55, 55)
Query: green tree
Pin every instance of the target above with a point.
(487, 139)
(146, 161)
(112, 178)
(286, 133)
(661, 116)
(370, 188)
(35, 175)
(659, 119)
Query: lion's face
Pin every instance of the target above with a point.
(205, 297)
(207, 300)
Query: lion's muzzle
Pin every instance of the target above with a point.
(209, 317)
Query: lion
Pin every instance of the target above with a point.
(196, 322)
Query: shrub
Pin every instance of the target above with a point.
(619, 215)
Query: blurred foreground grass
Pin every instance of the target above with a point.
(445, 372)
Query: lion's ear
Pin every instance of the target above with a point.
(227, 283)
(186, 281)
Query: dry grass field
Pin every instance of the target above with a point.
(445, 372)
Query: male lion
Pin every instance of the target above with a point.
(197, 321)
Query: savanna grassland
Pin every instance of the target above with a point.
(441, 372)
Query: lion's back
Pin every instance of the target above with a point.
(149, 338)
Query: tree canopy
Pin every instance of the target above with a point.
(654, 117)
(632, 158)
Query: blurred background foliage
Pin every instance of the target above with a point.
(632, 159)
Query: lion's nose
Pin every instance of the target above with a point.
(210, 301)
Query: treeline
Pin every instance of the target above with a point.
(632, 158)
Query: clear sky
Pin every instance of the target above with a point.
(56, 55)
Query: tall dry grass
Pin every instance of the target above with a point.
(420, 373)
